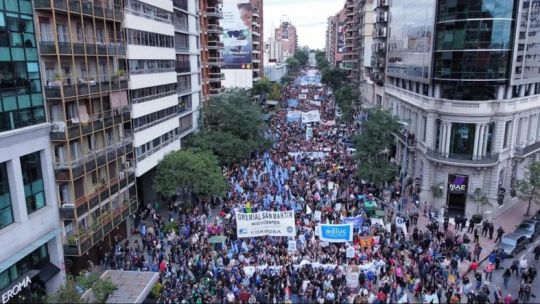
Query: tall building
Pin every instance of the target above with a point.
(335, 38)
(83, 63)
(464, 80)
(379, 45)
(243, 53)
(29, 222)
(286, 37)
(273, 50)
(350, 52)
(211, 48)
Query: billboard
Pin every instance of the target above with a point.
(237, 35)
(265, 223)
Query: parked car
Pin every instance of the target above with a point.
(512, 243)
(528, 228)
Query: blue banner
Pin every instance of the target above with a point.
(337, 233)
(357, 221)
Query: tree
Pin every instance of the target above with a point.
(197, 172)
(528, 188)
(293, 65)
(372, 146)
(73, 288)
(225, 145)
(346, 98)
(275, 93)
(334, 78)
(287, 79)
(262, 87)
(102, 289)
(479, 198)
(302, 57)
(67, 293)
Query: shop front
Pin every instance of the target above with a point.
(458, 186)
(25, 281)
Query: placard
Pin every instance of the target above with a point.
(265, 223)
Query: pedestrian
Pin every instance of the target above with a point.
(478, 277)
(485, 228)
(514, 267)
(508, 299)
(491, 228)
(522, 264)
(536, 252)
(476, 236)
(471, 225)
(488, 270)
(506, 277)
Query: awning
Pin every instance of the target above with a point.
(47, 272)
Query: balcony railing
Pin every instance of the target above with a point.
(83, 85)
(526, 150)
(214, 12)
(215, 29)
(463, 158)
(94, 154)
(78, 45)
(158, 147)
(183, 89)
(151, 71)
(183, 68)
(182, 48)
(84, 7)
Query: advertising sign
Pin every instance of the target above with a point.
(265, 223)
(357, 221)
(237, 36)
(335, 233)
(458, 183)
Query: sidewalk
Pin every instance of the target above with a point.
(508, 220)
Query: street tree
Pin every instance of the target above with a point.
(197, 172)
(293, 65)
(287, 79)
(479, 198)
(528, 188)
(275, 93)
(373, 145)
(67, 293)
(225, 145)
(262, 87)
(302, 56)
(334, 78)
(347, 97)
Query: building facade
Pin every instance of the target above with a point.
(32, 259)
(257, 27)
(83, 62)
(211, 48)
(335, 39)
(464, 80)
(286, 37)
(350, 50)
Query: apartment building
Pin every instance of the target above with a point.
(211, 48)
(83, 62)
(335, 39)
(464, 81)
(32, 259)
(285, 36)
(378, 52)
(257, 27)
(350, 51)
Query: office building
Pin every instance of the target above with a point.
(243, 53)
(286, 37)
(211, 48)
(83, 63)
(463, 78)
(31, 258)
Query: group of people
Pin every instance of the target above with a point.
(201, 259)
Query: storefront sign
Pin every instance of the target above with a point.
(458, 183)
(265, 223)
(15, 289)
(336, 233)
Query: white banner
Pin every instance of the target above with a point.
(352, 276)
(302, 96)
(305, 91)
(265, 223)
(316, 103)
(311, 116)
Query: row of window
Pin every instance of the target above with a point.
(149, 93)
(33, 188)
(474, 34)
(150, 66)
(149, 39)
(35, 260)
(468, 9)
(150, 119)
(149, 147)
(148, 11)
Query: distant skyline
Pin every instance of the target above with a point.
(308, 16)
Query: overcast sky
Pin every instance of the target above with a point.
(309, 17)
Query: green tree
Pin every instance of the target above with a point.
(275, 93)
(225, 145)
(102, 289)
(262, 87)
(302, 56)
(347, 98)
(67, 293)
(195, 171)
(293, 65)
(287, 79)
(372, 146)
(334, 78)
(479, 198)
(528, 188)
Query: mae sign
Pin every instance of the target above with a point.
(15, 289)
(458, 183)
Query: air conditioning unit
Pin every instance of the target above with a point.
(68, 205)
(127, 164)
(58, 126)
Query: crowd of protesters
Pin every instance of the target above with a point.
(315, 176)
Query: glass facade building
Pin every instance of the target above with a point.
(21, 101)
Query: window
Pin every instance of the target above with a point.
(149, 93)
(33, 181)
(149, 39)
(181, 42)
(150, 66)
(154, 118)
(35, 260)
(148, 11)
(6, 212)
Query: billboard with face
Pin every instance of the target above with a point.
(237, 35)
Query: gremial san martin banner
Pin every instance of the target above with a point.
(265, 223)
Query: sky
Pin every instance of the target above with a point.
(308, 16)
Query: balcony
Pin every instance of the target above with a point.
(181, 4)
(215, 29)
(183, 68)
(215, 45)
(527, 150)
(406, 139)
(217, 91)
(87, 8)
(214, 12)
(215, 61)
(216, 77)
(463, 160)
(382, 3)
(66, 87)
(183, 89)
(256, 34)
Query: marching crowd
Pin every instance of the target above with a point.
(315, 177)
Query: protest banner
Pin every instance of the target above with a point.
(265, 223)
(335, 233)
(352, 275)
(357, 221)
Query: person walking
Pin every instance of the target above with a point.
(536, 252)
(491, 228)
(506, 277)
(476, 236)
(522, 264)
(489, 271)
(500, 233)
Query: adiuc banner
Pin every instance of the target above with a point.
(336, 233)
(265, 223)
